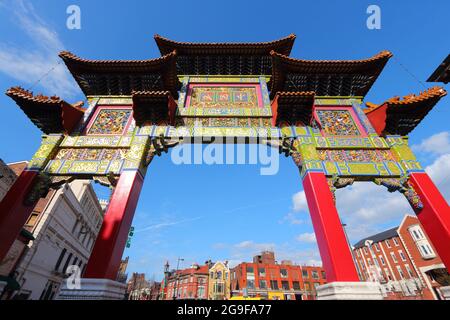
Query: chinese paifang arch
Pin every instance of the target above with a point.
(311, 110)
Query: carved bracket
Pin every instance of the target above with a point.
(335, 182)
(158, 145)
(403, 186)
(110, 180)
(285, 145)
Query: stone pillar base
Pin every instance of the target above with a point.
(349, 291)
(93, 289)
(445, 291)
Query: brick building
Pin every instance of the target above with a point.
(267, 279)
(190, 283)
(403, 261)
(138, 288)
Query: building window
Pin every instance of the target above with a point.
(307, 286)
(284, 273)
(377, 247)
(369, 261)
(251, 284)
(304, 274)
(315, 274)
(408, 269)
(67, 263)
(201, 292)
(324, 275)
(388, 244)
(402, 255)
(262, 284)
(262, 272)
(32, 219)
(249, 269)
(416, 233)
(274, 284)
(285, 285)
(386, 271)
(394, 257)
(296, 285)
(219, 287)
(61, 256)
(395, 242)
(382, 260)
(49, 291)
(365, 250)
(400, 272)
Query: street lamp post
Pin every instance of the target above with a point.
(174, 297)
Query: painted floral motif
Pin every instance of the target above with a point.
(222, 122)
(337, 123)
(91, 154)
(323, 155)
(355, 155)
(110, 121)
(386, 155)
(223, 97)
(243, 122)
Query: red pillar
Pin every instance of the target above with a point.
(105, 258)
(435, 215)
(336, 257)
(13, 210)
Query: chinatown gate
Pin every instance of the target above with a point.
(310, 110)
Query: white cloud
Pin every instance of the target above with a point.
(166, 224)
(439, 172)
(306, 237)
(438, 144)
(299, 201)
(29, 64)
(299, 206)
(252, 246)
(364, 206)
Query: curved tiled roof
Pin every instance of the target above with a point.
(50, 114)
(327, 77)
(283, 45)
(116, 65)
(120, 77)
(332, 66)
(401, 116)
(223, 58)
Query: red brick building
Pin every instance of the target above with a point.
(190, 283)
(403, 261)
(267, 279)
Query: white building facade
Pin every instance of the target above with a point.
(64, 236)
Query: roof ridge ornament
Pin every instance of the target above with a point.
(412, 107)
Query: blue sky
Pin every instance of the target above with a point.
(220, 212)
